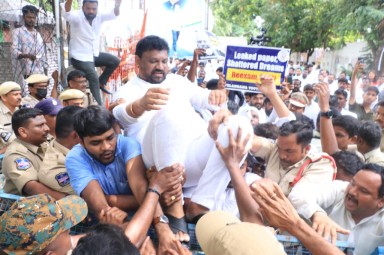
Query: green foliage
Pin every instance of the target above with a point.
(303, 25)
(48, 4)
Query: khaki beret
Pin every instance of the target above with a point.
(37, 78)
(299, 99)
(8, 86)
(71, 94)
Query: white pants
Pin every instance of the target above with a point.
(170, 138)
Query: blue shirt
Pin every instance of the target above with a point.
(82, 168)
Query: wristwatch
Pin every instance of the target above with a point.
(327, 114)
(160, 219)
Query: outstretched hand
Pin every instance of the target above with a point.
(326, 227)
(218, 118)
(167, 178)
(217, 97)
(267, 85)
(275, 207)
(154, 99)
(323, 93)
(236, 150)
(112, 215)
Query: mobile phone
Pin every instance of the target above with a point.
(361, 60)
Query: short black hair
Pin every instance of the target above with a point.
(90, 1)
(380, 103)
(348, 123)
(20, 118)
(219, 69)
(29, 9)
(372, 89)
(370, 132)
(341, 92)
(379, 170)
(212, 84)
(348, 161)
(308, 87)
(65, 120)
(75, 74)
(105, 239)
(149, 43)
(92, 121)
(304, 131)
(267, 130)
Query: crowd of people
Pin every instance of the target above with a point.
(176, 147)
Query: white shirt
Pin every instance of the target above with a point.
(84, 43)
(227, 201)
(349, 113)
(311, 111)
(184, 96)
(365, 236)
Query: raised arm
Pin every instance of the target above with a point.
(352, 97)
(268, 88)
(328, 137)
(195, 61)
(68, 5)
(232, 156)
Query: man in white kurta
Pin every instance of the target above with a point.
(355, 206)
(159, 113)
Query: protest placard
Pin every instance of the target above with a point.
(245, 64)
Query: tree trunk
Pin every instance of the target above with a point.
(309, 53)
(377, 64)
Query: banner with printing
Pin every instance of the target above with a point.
(244, 65)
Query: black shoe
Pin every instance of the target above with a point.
(102, 87)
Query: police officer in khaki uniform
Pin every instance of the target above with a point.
(72, 97)
(52, 170)
(10, 95)
(38, 89)
(24, 155)
(76, 80)
(289, 162)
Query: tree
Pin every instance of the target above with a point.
(365, 17)
(303, 25)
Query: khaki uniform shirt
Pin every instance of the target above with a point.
(320, 170)
(21, 164)
(52, 171)
(89, 99)
(382, 141)
(6, 132)
(29, 100)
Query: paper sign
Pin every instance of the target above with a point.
(245, 64)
